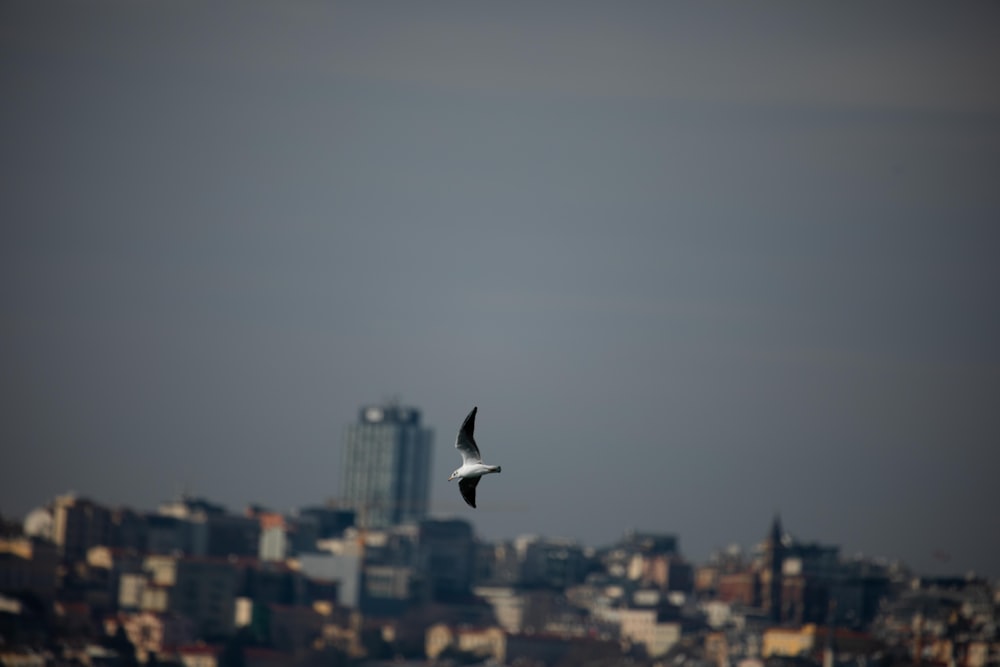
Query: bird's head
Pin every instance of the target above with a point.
(453, 475)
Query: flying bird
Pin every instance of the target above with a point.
(472, 467)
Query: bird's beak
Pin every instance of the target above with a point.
(452, 477)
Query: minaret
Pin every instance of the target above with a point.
(774, 557)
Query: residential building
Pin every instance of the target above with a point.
(130, 590)
(28, 564)
(551, 650)
(128, 530)
(553, 563)
(105, 567)
(331, 522)
(344, 569)
(17, 657)
(256, 656)
(716, 649)
(483, 642)
(650, 629)
(666, 571)
(199, 655)
(167, 534)
(272, 583)
(858, 593)
(389, 590)
(202, 589)
(189, 507)
(198, 527)
(302, 534)
(496, 564)
(531, 611)
(151, 633)
(508, 606)
(275, 544)
(224, 535)
(811, 639)
(291, 628)
(78, 524)
(650, 543)
(446, 551)
(205, 591)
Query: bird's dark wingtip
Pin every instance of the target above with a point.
(467, 486)
(470, 421)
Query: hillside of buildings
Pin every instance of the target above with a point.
(373, 579)
(197, 585)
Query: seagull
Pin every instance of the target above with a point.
(472, 463)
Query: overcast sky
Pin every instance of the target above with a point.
(696, 263)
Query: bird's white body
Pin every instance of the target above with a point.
(473, 468)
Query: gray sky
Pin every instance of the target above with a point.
(710, 260)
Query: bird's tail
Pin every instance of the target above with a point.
(496, 468)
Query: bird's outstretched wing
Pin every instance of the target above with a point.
(466, 444)
(467, 485)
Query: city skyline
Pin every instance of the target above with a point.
(716, 260)
(195, 580)
(939, 560)
(775, 528)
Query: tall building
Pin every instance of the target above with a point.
(386, 466)
(78, 524)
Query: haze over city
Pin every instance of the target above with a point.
(696, 264)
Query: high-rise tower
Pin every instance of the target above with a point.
(387, 459)
(772, 581)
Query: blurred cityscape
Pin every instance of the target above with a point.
(372, 579)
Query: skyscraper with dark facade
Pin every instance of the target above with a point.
(386, 466)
